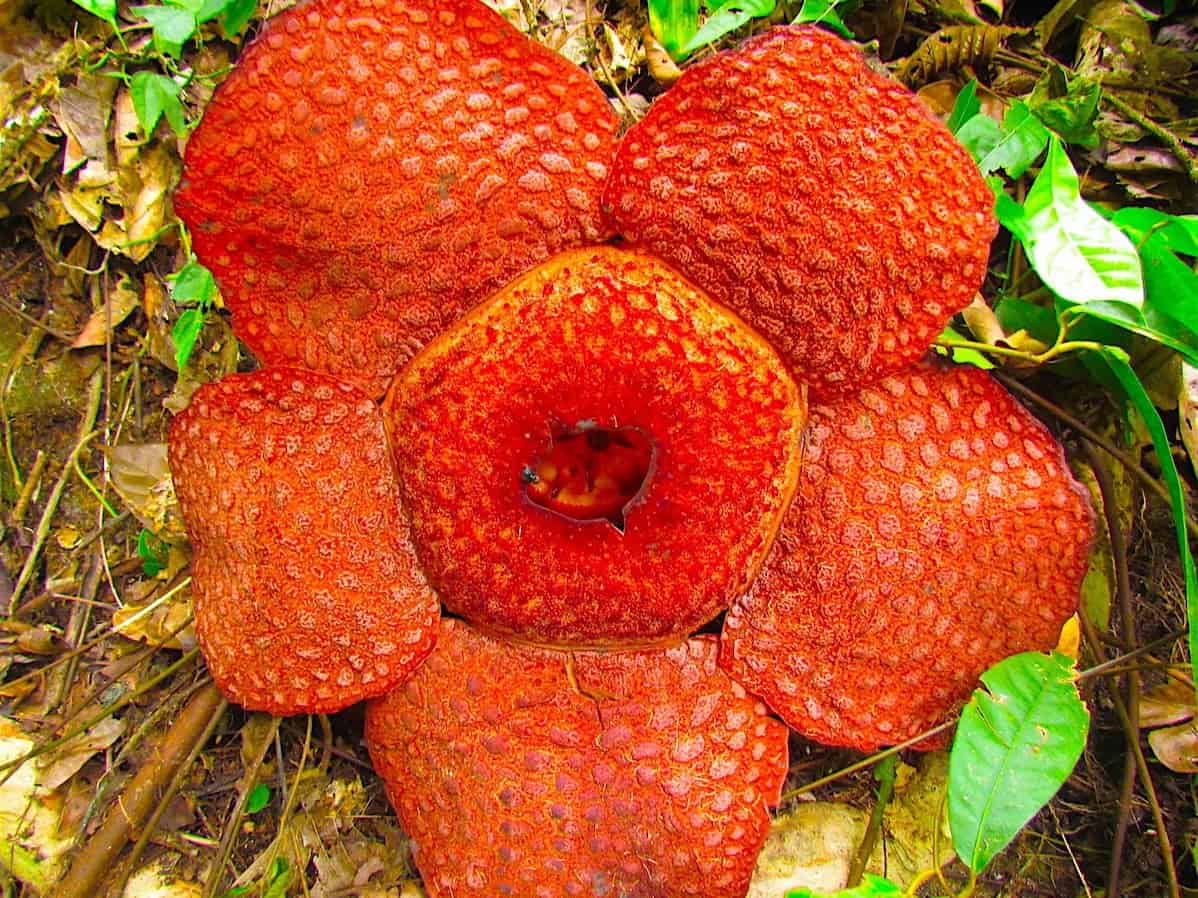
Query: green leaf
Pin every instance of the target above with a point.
(193, 284)
(871, 887)
(1067, 105)
(278, 879)
(1179, 232)
(966, 107)
(1012, 147)
(962, 356)
(1078, 254)
(1017, 742)
(101, 9)
(675, 23)
(172, 26)
(1116, 361)
(727, 17)
(185, 333)
(236, 15)
(823, 12)
(152, 551)
(258, 798)
(155, 95)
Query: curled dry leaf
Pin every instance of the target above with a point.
(1166, 703)
(158, 625)
(64, 762)
(123, 298)
(141, 477)
(1176, 747)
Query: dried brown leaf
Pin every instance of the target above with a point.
(1176, 747)
(123, 298)
(1168, 703)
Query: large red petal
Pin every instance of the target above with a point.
(819, 199)
(307, 593)
(610, 338)
(370, 170)
(936, 530)
(531, 773)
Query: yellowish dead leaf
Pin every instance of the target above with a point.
(31, 846)
(123, 298)
(1070, 640)
(662, 68)
(154, 624)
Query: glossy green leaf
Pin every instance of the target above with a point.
(155, 95)
(871, 887)
(1078, 254)
(1017, 741)
(101, 9)
(967, 105)
(237, 15)
(193, 284)
(1011, 147)
(1116, 362)
(727, 17)
(172, 27)
(153, 552)
(962, 356)
(1067, 105)
(674, 22)
(823, 12)
(1178, 232)
(258, 798)
(185, 333)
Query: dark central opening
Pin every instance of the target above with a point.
(591, 473)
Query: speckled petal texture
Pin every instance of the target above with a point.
(818, 199)
(618, 339)
(937, 529)
(307, 593)
(527, 773)
(372, 168)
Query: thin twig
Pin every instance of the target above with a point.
(885, 774)
(1161, 133)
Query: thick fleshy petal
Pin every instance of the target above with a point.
(307, 593)
(818, 199)
(532, 773)
(592, 346)
(370, 170)
(937, 529)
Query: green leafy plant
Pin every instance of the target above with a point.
(156, 95)
(257, 799)
(193, 287)
(153, 552)
(676, 22)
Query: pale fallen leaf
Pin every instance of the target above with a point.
(156, 881)
(31, 846)
(810, 847)
(123, 298)
(1176, 747)
(141, 476)
(1187, 408)
(1166, 703)
(983, 323)
(64, 762)
(1070, 641)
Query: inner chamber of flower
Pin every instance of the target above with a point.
(592, 473)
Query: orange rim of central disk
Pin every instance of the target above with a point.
(638, 545)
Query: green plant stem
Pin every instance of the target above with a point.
(1053, 352)
(885, 774)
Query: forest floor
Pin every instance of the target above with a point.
(104, 696)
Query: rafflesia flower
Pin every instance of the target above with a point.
(589, 447)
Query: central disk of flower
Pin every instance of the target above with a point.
(592, 473)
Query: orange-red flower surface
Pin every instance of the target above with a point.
(601, 452)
